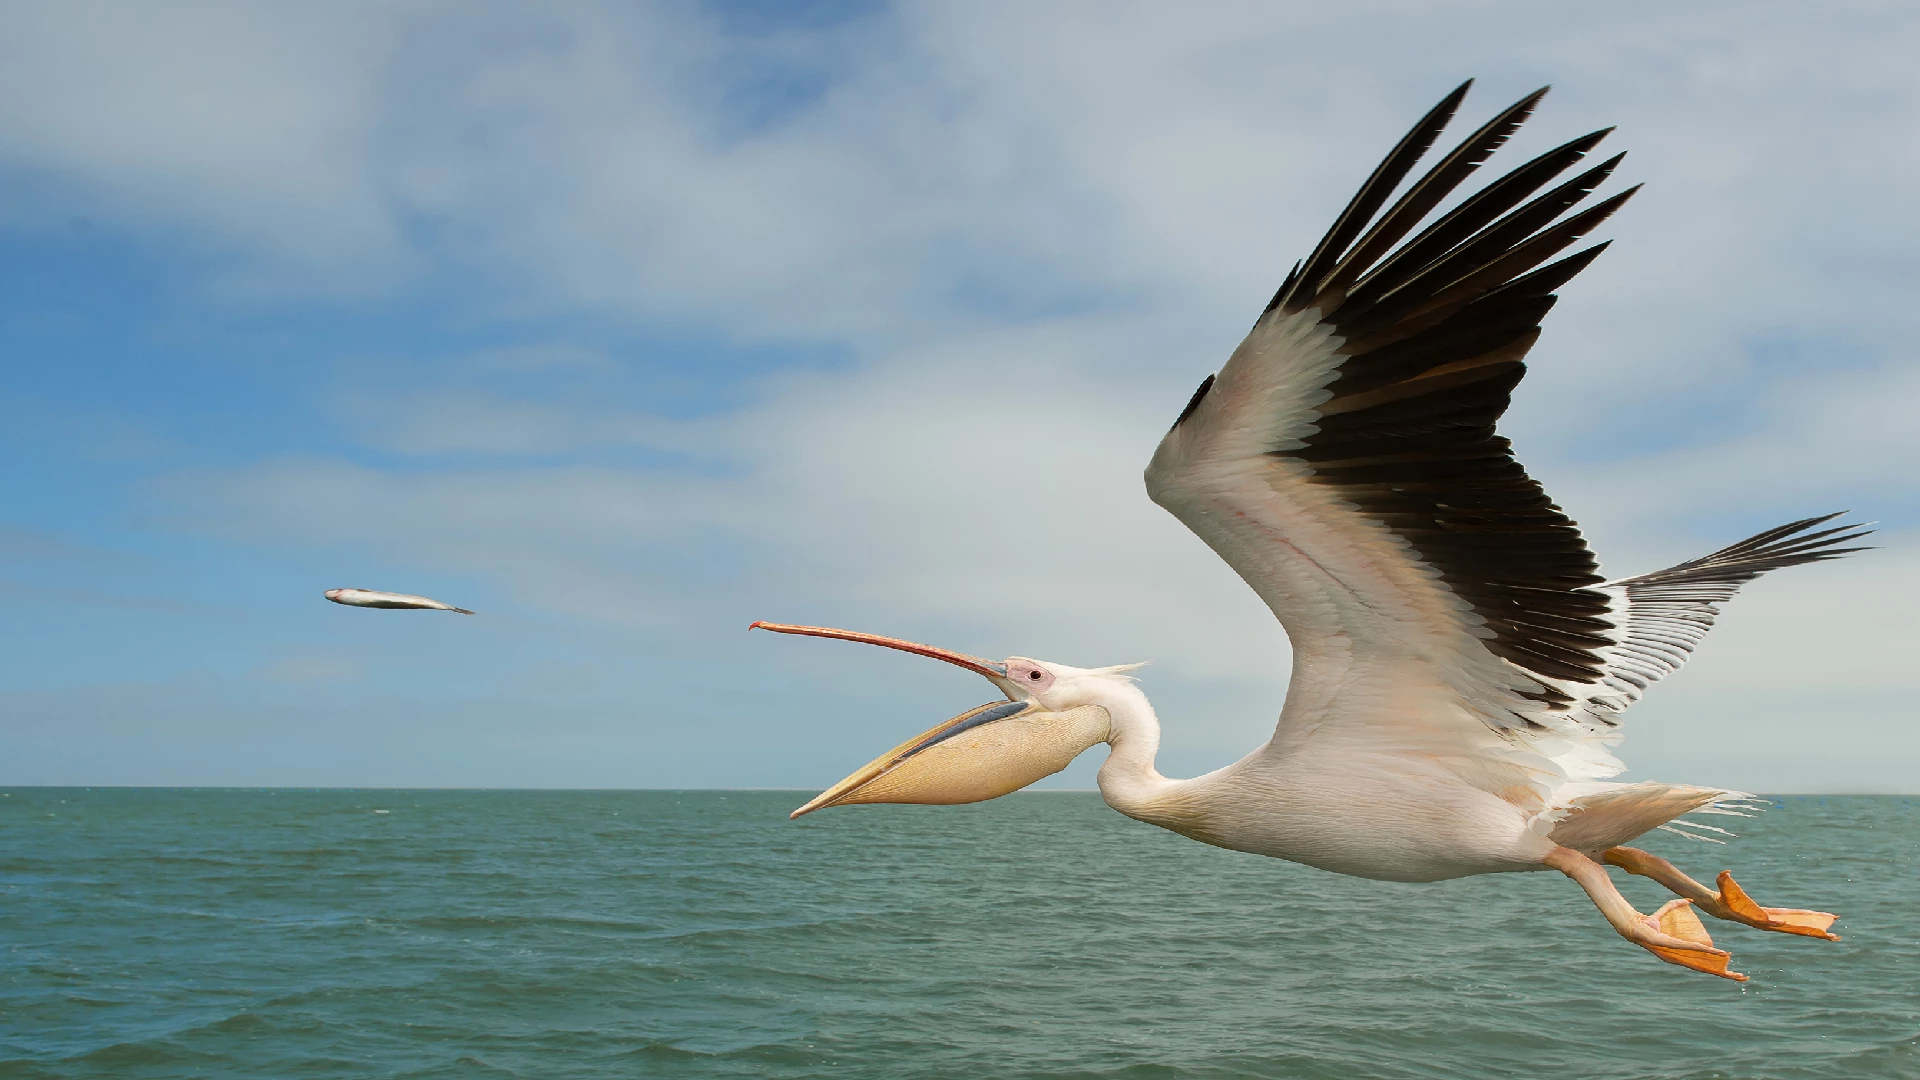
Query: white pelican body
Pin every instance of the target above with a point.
(1391, 817)
(1459, 666)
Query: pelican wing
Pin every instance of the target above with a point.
(1661, 616)
(1344, 460)
(1345, 463)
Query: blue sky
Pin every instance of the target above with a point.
(630, 324)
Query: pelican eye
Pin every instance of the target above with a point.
(1034, 675)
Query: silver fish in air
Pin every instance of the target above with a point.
(369, 598)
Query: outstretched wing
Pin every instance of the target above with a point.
(1345, 461)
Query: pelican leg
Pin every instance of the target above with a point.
(1673, 933)
(1731, 902)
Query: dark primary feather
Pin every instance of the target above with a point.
(1736, 564)
(1367, 200)
(1421, 198)
(1669, 611)
(1436, 330)
(1447, 236)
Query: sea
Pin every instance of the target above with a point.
(148, 933)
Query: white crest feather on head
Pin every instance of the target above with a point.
(1118, 669)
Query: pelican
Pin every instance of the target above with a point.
(1459, 666)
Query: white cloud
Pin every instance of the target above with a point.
(243, 129)
(1033, 227)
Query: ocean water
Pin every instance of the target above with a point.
(227, 933)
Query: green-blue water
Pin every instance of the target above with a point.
(161, 933)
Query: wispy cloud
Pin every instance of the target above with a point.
(1029, 230)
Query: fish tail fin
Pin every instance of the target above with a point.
(461, 610)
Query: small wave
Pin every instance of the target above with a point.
(514, 922)
(466, 1065)
(762, 1054)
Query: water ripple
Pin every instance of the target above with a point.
(674, 934)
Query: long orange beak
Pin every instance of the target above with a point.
(994, 671)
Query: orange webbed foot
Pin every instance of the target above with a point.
(1737, 906)
(1676, 920)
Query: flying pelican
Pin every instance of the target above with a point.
(1459, 668)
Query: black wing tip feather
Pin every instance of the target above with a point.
(1337, 249)
(1378, 242)
(1483, 233)
(1379, 184)
(1795, 543)
(1528, 102)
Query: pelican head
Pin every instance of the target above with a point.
(1051, 714)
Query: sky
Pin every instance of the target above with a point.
(629, 324)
